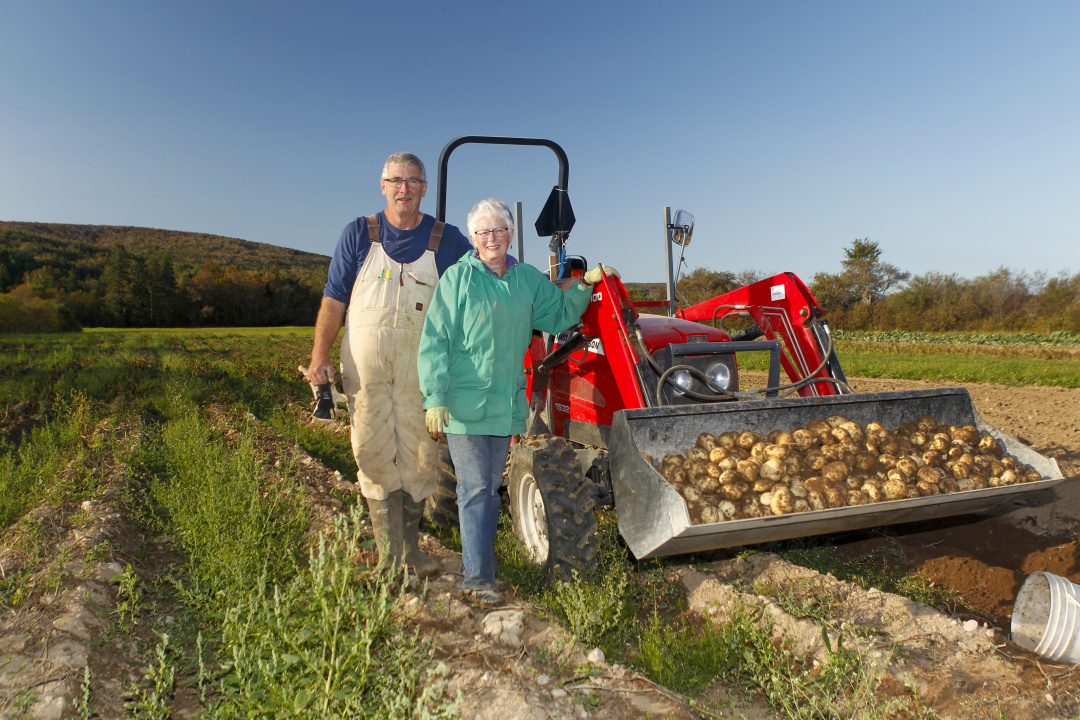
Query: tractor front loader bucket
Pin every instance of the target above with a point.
(653, 517)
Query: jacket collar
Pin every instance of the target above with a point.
(473, 258)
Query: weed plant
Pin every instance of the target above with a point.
(150, 699)
(329, 643)
(232, 526)
(32, 469)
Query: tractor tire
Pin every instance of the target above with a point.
(442, 504)
(552, 504)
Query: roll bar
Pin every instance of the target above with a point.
(444, 159)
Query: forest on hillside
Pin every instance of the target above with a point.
(56, 278)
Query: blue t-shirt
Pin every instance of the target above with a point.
(403, 246)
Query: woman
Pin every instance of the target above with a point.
(471, 365)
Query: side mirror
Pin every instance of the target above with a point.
(682, 227)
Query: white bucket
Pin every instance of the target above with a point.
(1046, 618)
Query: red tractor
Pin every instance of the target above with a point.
(623, 387)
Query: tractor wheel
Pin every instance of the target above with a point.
(552, 505)
(442, 504)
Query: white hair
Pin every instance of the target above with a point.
(490, 208)
(405, 159)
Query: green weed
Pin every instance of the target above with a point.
(56, 447)
(683, 657)
(23, 700)
(804, 599)
(591, 608)
(82, 701)
(231, 524)
(129, 600)
(329, 643)
(150, 698)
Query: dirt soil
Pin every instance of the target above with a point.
(511, 662)
(986, 558)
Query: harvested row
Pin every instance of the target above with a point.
(834, 462)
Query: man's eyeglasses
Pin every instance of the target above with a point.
(411, 182)
(500, 232)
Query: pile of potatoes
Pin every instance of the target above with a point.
(831, 463)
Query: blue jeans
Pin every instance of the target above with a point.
(479, 461)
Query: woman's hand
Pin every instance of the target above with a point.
(596, 274)
(436, 419)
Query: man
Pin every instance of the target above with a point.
(384, 272)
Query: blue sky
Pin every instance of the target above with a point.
(947, 132)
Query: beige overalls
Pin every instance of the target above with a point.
(386, 312)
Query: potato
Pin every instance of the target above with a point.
(708, 484)
(772, 470)
(835, 497)
(783, 502)
(748, 469)
(835, 471)
(833, 462)
(804, 439)
(729, 511)
(854, 430)
(895, 489)
(988, 445)
(747, 440)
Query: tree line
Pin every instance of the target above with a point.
(871, 294)
(40, 293)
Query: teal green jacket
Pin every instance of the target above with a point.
(478, 327)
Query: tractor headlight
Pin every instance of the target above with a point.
(682, 380)
(719, 375)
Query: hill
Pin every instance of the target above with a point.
(90, 244)
(62, 277)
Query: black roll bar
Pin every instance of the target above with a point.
(444, 159)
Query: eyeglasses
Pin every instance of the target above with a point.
(411, 182)
(500, 232)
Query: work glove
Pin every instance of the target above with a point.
(597, 273)
(436, 418)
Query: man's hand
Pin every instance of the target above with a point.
(436, 419)
(318, 374)
(594, 276)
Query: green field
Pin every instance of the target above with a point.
(942, 362)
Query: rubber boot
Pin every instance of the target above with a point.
(423, 565)
(386, 522)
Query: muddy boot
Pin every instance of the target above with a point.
(423, 565)
(386, 522)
